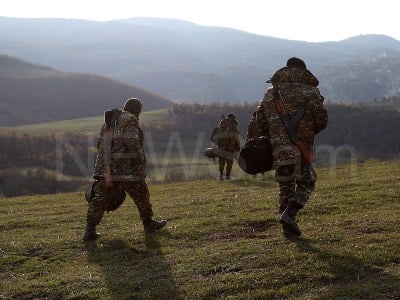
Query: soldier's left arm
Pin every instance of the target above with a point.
(132, 141)
(261, 113)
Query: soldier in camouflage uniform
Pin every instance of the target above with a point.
(226, 137)
(295, 175)
(127, 168)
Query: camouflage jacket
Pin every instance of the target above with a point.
(226, 136)
(128, 161)
(299, 89)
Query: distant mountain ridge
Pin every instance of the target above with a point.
(34, 94)
(184, 61)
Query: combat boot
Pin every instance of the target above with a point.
(228, 176)
(221, 176)
(287, 232)
(288, 218)
(153, 225)
(90, 234)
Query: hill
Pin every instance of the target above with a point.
(175, 140)
(83, 125)
(188, 62)
(222, 241)
(36, 94)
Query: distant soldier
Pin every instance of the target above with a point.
(291, 114)
(226, 137)
(120, 165)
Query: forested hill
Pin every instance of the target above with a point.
(35, 94)
(184, 61)
(28, 162)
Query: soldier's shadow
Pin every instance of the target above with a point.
(132, 273)
(350, 275)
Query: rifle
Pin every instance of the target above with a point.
(290, 123)
(111, 119)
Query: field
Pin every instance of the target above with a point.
(83, 125)
(223, 241)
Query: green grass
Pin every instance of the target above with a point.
(83, 125)
(223, 241)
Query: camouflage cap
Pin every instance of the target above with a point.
(133, 105)
(296, 62)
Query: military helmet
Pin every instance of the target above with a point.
(296, 62)
(209, 152)
(89, 193)
(133, 105)
(115, 196)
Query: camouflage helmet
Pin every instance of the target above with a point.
(115, 196)
(295, 62)
(209, 152)
(133, 105)
(89, 193)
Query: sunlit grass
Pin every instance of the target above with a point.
(223, 241)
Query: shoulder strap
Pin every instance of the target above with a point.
(290, 123)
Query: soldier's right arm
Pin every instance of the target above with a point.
(320, 114)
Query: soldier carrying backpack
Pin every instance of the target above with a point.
(120, 167)
(226, 137)
(291, 114)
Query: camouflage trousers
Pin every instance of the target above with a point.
(229, 163)
(295, 184)
(136, 189)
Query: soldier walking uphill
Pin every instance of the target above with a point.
(226, 137)
(120, 165)
(291, 114)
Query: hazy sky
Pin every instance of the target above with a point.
(306, 20)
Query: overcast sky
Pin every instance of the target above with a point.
(305, 20)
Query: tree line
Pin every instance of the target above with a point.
(372, 130)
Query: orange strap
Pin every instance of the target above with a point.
(280, 107)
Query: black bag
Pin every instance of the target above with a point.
(256, 155)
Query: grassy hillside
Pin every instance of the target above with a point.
(84, 125)
(223, 241)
